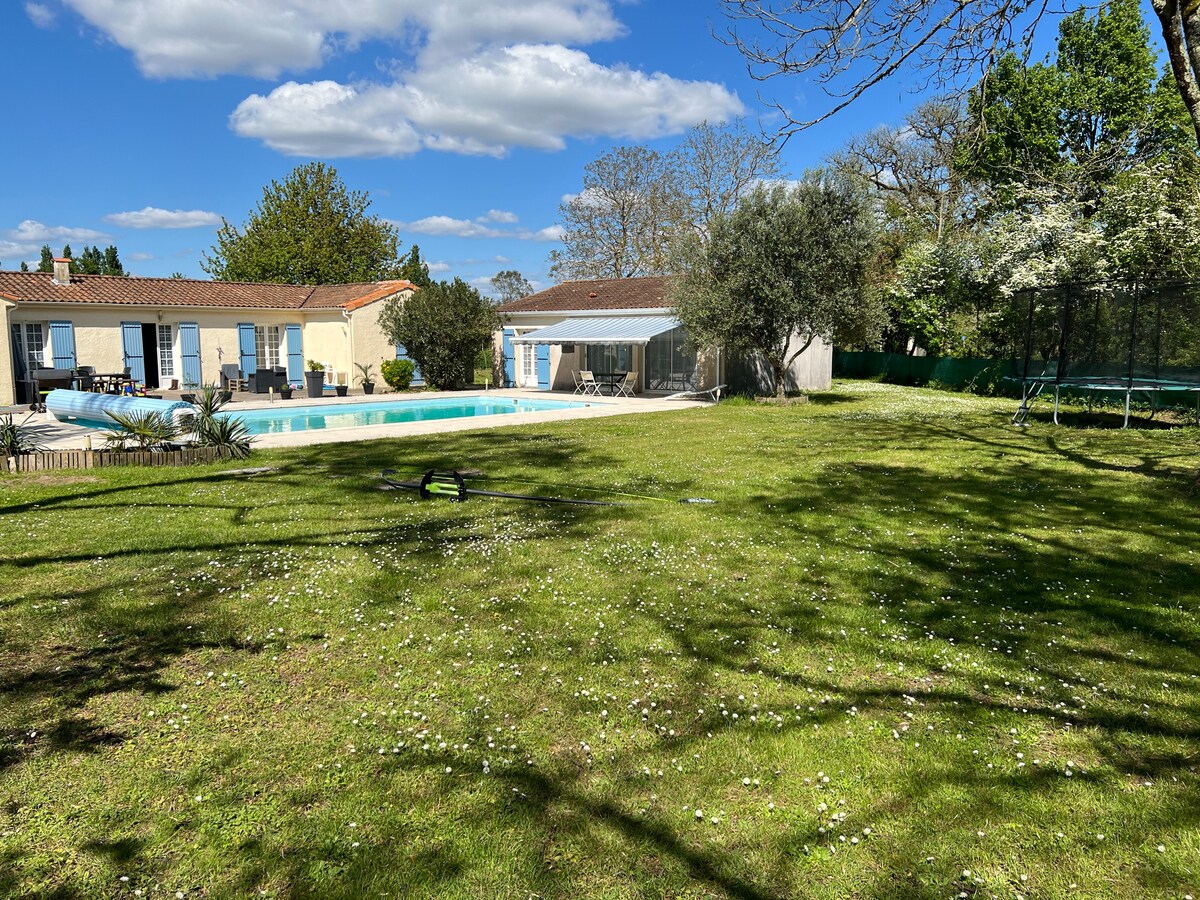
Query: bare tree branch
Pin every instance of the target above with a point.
(851, 46)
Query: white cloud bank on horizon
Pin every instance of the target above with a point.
(476, 77)
(153, 217)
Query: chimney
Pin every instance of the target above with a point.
(62, 270)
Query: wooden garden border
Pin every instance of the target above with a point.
(95, 459)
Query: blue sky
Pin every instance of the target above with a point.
(143, 122)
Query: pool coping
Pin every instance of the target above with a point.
(54, 435)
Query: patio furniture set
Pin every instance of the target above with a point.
(594, 384)
(83, 378)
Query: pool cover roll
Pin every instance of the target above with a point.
(84, 406)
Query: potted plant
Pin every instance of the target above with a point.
(341, 389)
(285, 392)
(314, 379)
(366, 379)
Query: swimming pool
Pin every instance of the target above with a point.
(283, 417)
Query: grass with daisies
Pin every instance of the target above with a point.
(909, 652)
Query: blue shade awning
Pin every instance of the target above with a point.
(601, 330)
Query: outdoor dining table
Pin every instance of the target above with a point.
(111, 382)
(609, 379)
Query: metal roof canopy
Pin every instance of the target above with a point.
(606, 330)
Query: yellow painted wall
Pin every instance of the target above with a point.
(370, 345)
(327, 340)
(326, 335)
(98, 331)
(8, 395)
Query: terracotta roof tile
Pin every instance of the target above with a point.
(40, 287)
(650, 292)
(352, 296)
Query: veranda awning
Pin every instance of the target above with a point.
(601, 330)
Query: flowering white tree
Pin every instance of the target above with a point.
(1048, 239)
(1151, 219)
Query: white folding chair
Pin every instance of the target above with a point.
(590, 385)
(627, 385)
(578, 383)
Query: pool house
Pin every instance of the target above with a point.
(616, 325)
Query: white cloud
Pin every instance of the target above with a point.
(469, 77)
(445, 225)
(436, 268)
(528, 95)
(34, 231)
(25, 241)
(40, 15)
(499, 215)
(153, 217)
(141, 257)
(204, 38)
(477, 228)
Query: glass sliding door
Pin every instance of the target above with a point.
(609, 358)
(670, 362)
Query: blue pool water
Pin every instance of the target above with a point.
(284, 417)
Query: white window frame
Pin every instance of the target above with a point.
(529, 365)
(166, 351)
(268, 345)
(43, 333)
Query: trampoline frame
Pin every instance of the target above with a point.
(1129, 383)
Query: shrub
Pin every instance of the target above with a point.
(144, 430)
(15, 437)
(207, 429)
(398, 373)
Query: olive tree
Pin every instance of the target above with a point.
(789, 265)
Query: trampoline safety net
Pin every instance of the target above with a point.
(1123, 336)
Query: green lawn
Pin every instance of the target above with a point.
(911, 652)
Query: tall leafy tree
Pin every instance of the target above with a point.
(414, 269)
(307, 229)
(510, 285)
(442, 327)
(789, 265)
(90, 261)
(112, 261)
(46, 261)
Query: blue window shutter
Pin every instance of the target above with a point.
(295, 356)
(131, 343)
(510, 362)
(247, 360)
(189, 353)
(62, 344)
(417, 378)
(543, 367)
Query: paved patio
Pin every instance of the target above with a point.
(61, 436)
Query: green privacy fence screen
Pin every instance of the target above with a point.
(984, 376)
